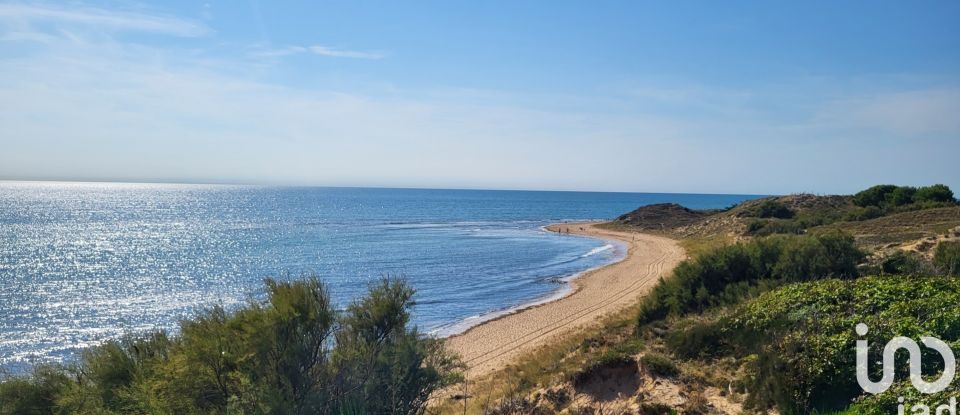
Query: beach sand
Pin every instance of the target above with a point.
(494, 344)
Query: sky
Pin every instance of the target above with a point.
(709, 97)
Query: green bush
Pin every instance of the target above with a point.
(34, 394)
(699, 340)
(892, 198)
(947, 258)
(887, 403)
(935, 193)
(610, 359)
(873, 196)
(802, 341)
(774, 227)
(731, 273)
(647, 408)
(771, 209)
(863, 213)
(905, 263)
(900, 196)
(293, 353)
(659, 365)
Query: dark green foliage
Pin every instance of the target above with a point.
(873, 196)
(886, 403)
(698, 340)
(900, 196)
(291, 354)
(799, 339)
(647, 408)
(609, 360)
(947, 258)
(659, 365)
(890, 198)
(771, 209)
(34, 395)
(773, 227)
(906, 263)
(935, 193)
(388, 368)
(863, 213)
(731, 273)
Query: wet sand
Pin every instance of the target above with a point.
(494, 344)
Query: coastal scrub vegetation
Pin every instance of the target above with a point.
(795, 343)
(729, 273)
(293, 353)
(774, 217)
(783, 312)
(767, 321)
(770, 209)
(890, 197)
(947, 258)
(922, 209)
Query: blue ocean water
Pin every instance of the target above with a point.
(85, 262)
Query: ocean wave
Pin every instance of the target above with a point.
(598, 250)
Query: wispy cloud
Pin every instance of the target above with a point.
(97, 104)
(102, 19)
(320, 50)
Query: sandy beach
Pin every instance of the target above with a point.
(494, 344)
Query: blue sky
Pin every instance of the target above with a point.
(719, 97)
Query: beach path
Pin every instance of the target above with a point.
(494, 344)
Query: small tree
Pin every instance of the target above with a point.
(935, 193)
(947, 258)
(873, 196)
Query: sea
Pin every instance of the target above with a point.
(81, 263)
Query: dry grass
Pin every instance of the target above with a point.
(898, 228)
(549, 365)
(698, 245)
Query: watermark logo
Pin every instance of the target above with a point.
(916, 378)
(890, 350)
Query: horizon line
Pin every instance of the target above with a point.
(325, 186)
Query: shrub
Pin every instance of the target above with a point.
(728, 274)
(771, 209)
(873, 196)
(292, 353)
(773, 227)
(701, 339)
(801, 336)
(593, 368)
(659, 365)
(904, 263)
(35, 394)
(899, 198)
(863, 213)
(947, 258)
(648, 408)
(935, 193)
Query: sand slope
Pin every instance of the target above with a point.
(494, 344)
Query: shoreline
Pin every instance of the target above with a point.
(567, 288)
(494, 343)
